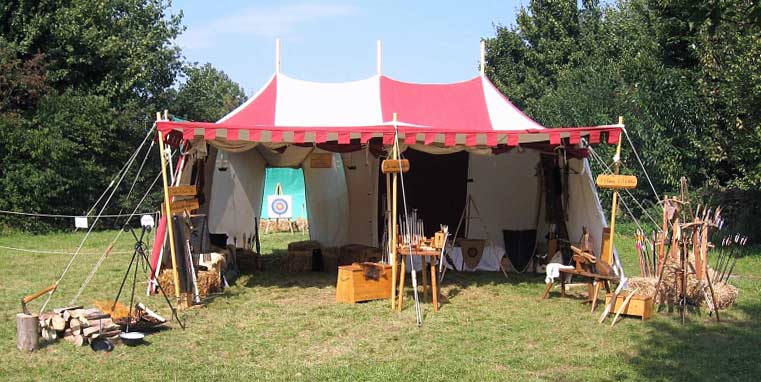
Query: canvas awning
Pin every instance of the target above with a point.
(468, 113)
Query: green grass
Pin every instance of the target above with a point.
(276, 326)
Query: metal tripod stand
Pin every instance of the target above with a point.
(137, 256)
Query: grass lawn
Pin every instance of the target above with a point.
(277, 326)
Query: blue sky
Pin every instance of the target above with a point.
(328, 41)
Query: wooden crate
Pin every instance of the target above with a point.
(639, 305)
(353, 286)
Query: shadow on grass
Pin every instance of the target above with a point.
(701, 350)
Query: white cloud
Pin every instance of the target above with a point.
(260, 21)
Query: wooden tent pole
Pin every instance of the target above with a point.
(394, 265)
(168, 213)
(614, 206)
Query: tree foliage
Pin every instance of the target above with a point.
(79, 84)
(207, 94)
(685, 75)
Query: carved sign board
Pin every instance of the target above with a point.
(182, 191)
(617, 181)
(180, 206)
(392, 166)
(321, 160)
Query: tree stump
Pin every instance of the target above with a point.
(27, 332)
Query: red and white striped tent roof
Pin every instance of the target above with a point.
(468, 113)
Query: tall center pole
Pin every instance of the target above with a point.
(614, 206)
(394, 265)
(168, 214)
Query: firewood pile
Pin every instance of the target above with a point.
(78, 325)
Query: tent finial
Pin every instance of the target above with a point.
(277, 55)
(483, 58)
(379, 56)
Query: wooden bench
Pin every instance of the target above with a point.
(588, 266)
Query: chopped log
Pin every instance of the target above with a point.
(75, 338)
(64, 309)
(107, 334)
(57, 323)
(27, 332)
(79, 340)
(76, 325)
(87, 332)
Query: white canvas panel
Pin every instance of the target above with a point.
(362, 169)
(504, 189)
(503, 114)
(236, 194)
(584, 208)
(305, 103)
(327, 202)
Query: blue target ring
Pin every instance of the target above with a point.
(279, 206)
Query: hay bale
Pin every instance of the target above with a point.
(330, 257)
(299, 257)
(248, 261)
(166, 280)
(209, 282)
(726, 294)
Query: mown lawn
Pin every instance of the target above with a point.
(277, 326)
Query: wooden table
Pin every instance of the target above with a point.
(425, 255)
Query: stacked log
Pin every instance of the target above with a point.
(77, 325)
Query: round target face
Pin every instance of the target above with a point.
(279, 206)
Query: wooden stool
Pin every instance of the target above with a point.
(428, 259)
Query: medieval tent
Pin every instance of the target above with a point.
(465, 140)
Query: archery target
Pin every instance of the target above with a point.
(279, 206)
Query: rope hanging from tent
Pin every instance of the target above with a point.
(124, 171)
(126, 222)
(599, 161)
(607, 168)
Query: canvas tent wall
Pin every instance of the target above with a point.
(291, 120)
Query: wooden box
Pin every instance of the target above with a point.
(639, 305)
(353, 285)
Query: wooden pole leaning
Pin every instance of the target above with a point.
(389, 240)
(608, 256)
(168, 213)
(394, 254)
(614, 206)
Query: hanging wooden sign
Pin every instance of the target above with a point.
(321, 160)
(392, 166)
(617, 181)
(179, 206)
(189, 190)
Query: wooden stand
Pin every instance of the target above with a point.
(428, 258)
(27, 332)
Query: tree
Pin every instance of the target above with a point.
(83, 79)
(207, 94)
(685, 75)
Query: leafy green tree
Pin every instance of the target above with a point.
(207, 94)
(84, 78)
(684, 74)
